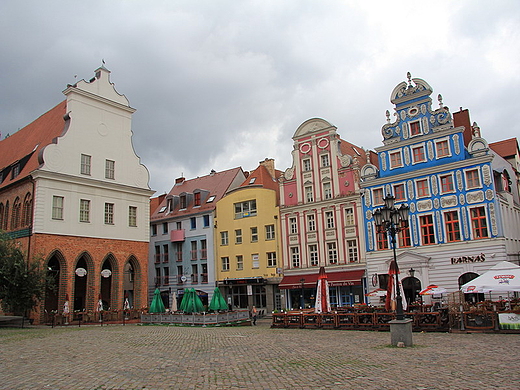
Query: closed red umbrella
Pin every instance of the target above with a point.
(322, 293)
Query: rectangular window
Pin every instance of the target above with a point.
(352, 251)
(238, 236)
(311, 223)
(165, 227)
(225, 263)
(418, 154)
(415, 128)
(203, 249)
(245, 209)
(196, 199)
(254, 234)
(183, 202)
(313, 255)
(396, 160)
(479, 222)
(193, 252)
(293, 227)
(85, 164)
(194, 273)
(427, 230)
(472, 179)
(157, 254)
(295, 256)
(205, 219)
(193, 223)
(404, 235)
(84, 210)
(166, 256)
(332, 253)
(423, 190)
(154, 230)
(349, 217)
(240, 262)
(132, 216)
(307, 165)
(57, 207)
(327, 191)
(309, 196)
(442, 148)
(377, 195)
(382, 239)
(271, 259)
(255, 260)
(224, 238)
(110, 169)
(451, 221)
(329, 219)
(399, 194)
(447, 184)
(325, 160)
(109, 213)
(269, 232)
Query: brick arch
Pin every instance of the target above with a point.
(138, 281)
(15, 215)
(115, 281)
(88, 296)
(27, 210)
(56, 265)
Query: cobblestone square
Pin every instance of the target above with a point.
(257, 357)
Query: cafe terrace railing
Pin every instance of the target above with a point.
(235, 317)
(424, 319)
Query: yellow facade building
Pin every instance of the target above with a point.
(247, 241)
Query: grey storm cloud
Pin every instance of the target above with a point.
(220, 84)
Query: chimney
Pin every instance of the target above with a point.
(268, 163)
(461, 118)
(179, 180)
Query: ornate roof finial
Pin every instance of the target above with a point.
(476, 130)
(387, 116)
(409, 77)
(439, 98)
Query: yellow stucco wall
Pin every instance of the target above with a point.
(267, 214)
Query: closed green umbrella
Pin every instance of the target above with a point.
(217, 301)
(191, 302)
(157, 305)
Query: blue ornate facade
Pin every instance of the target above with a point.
(456, 186)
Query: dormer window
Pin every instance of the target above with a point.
(211, 199)
(252, 181)
(196, 199)
(15, 171)
(415, 128)
(183, 202)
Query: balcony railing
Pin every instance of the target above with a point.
(204, 278)
(203, 254)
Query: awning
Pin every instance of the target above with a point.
(344, 278)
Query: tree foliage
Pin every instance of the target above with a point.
(22, 282)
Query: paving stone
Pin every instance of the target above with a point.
(131, 357)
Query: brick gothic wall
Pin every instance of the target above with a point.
(69, 249)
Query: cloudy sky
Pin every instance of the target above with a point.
(221, 83)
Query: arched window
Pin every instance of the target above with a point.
(1, 216)
(15, 216)
(27, 210)
(6, 216)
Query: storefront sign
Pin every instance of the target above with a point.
(468, 259)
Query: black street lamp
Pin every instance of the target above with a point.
(393, 220)
(302, 299)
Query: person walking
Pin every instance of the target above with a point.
(253, 315)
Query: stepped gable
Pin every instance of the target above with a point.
(27, 144)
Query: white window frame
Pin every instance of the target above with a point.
(450, 175)
(350, 218)
(396, 152)
(468, 187)
(418, 196)
(415, 146)
(110, 169)
(332, 252)
(329, 219)
(269, 232)
(57, 207)
(109, 213)
(313, 255)
(224, 238)
(353, 252)
(437, 142)
(311, 222)
(325, 161)
(86, 164)
(295, 257)
(307, 166)
(327, 190)
(132, 216)
(293, 225)
(84, 210)
(271, 259)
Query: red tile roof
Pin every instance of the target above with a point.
(506, 148)
(30, 142)
(216, 183)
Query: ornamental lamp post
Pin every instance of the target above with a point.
(393, 220)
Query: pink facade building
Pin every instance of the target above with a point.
(321, 224)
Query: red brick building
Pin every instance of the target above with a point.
(75, 196)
